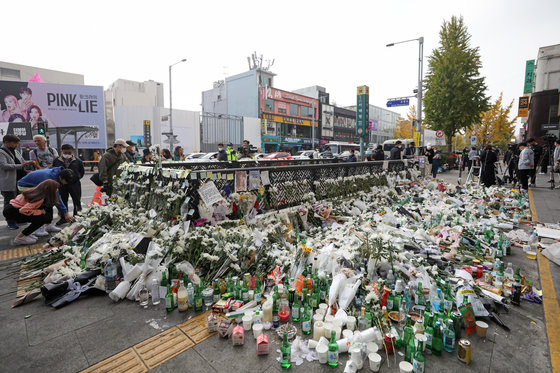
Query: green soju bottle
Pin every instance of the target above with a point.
(286, 351)
(169, 306)
(419, 296)
(418, 361)
(216, 296)
(275, 297)
(437, 341)
(198, 298)
(408, 332)
(332, 358)
(409, 350)
(306, 320)
(296, 310)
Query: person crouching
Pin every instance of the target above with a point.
(32, 206)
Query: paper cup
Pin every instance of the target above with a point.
(372, 347)
(329, 318)
(320, 312)
(317, 317)
(328, 328)
(323, 306)
(247, 321)
(347, 333)
(312, 344)
(405, 367)
(367, 335)
(322, 353)
(338, 332)
(257, 330)
(337, 323)
(351, 322)
(356, 357)
(374, 361)
(481, 329)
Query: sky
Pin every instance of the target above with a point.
(338, 45)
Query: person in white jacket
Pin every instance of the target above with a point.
(525, 166)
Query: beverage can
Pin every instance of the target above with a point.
(389, 342)
(464, 351)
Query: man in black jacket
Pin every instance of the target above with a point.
(130, 154)
(222, 156)
(68, 160)
(396, 151)
(537, 153)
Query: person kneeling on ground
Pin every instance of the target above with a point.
(60, 176)
(33, 206)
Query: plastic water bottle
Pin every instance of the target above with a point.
(534, 242)
(190, 295)
(155, 292)
(509, 272)
(110, 273)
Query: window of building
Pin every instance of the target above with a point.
(303, 131)
(271, 128)
(10, 73)
(294, 109)
(307, 111)
(282, 111)
(269, 105)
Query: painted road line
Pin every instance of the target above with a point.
(550, 301)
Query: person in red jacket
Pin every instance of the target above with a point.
(32, 206)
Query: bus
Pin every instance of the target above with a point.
(339, 147)
(390, 144)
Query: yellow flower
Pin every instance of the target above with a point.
(306, 249)
(243, 197)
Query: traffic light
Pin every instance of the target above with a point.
(41, 128)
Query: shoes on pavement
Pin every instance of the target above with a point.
(33, 236)
(53, 228)
(557, 187)
(13, 226)
(541, 173)
(61, 222)
(25, 240)
(41, 232)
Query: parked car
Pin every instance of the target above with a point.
(279, 155)
(304, 154)
(192, 156)
(208, 157)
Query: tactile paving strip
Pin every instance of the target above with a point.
(20, 252)
(162, 347)
(196, 328)
(126, 361)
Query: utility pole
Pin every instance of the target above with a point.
(171, 137)
(313, 127)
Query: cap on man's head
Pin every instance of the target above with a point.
(130, 143)
(230, 144)
(120, 142)
(67, 147)
(146, 151)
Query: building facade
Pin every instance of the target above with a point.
(289, 120)
(544, 106)
(22, 73)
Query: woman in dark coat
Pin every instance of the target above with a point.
(487, 159)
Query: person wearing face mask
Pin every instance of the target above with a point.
(222, 156)
(11, 169)
(430, 158)
(68, 160)
(130, 152)
(109, 164)
(231, 153)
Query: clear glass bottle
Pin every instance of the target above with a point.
(509, 272)
(144, 296)
(362, 321)
(190, 295)
(155, 292)
(182, 298)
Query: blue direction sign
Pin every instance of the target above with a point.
(401, 102)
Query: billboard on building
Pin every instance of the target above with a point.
(61, 106)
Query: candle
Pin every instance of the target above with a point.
(318, 330)
(283, 315)
(328, 328)
(317, 317)
(267, 311)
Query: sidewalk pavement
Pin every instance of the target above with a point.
(88, 331)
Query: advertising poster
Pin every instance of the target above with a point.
(67, 109)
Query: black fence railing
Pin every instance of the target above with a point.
(282, 185)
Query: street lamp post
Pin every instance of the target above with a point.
(420, 65)
(171, 137)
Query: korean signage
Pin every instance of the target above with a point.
(362, 111)
(61, 105)
(275, 101)
(147, 134)
(529, 76)
(523, 110)
(290, 120)
(328, 116)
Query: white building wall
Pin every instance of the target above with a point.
(547, 72)
(131, 93)
(16, 72)
(129, 121)
(252, 131)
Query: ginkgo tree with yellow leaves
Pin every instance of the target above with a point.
(495, 127)
(403, 127)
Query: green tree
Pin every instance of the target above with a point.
(455, 92)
